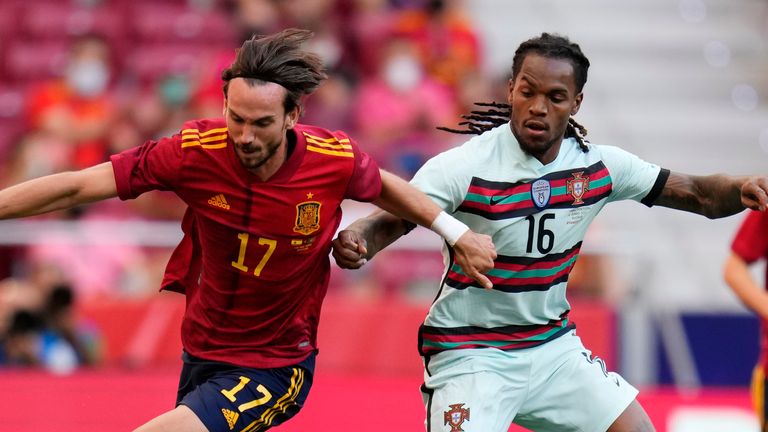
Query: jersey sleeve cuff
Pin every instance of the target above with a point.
(658, 186)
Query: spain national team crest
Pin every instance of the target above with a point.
(541, 191)
(577, 187)
(455, 416)
(307, 217)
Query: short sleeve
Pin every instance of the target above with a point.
(632, 178)
(751, 240)
(365, 183)
(444, 179)
(154, 165)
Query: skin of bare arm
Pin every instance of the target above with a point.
(740, 280)
(361, 240)
(714, 196)
(58, 191)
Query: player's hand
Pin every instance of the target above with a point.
(349, 250)
(754, 193)
(475, 253)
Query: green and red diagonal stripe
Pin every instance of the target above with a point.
(435, 339)
(522, 274)
(501, 200)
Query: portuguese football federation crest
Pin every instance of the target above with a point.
(455, 416)
(577, 187)
(307, 217)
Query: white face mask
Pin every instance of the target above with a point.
(88, 78)
(403, 72)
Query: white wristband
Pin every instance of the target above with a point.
(449, 228)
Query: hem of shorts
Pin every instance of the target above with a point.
(620, 409)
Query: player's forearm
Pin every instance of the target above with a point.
(713, 196)
(403, 200)
(379, 229)
(741, 282)
(57, 192)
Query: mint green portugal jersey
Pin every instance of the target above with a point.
(537, 216)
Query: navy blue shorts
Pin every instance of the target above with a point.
(232, 398)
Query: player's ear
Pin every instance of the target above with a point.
(577, 103)
(292, 118)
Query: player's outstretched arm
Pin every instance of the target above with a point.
(58, 191)
(365, 237)
(739, 279)
(714, 196)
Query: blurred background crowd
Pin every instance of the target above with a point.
(83, 79)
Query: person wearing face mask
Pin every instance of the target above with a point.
(76, 110)
(398, 106)
(263, 195)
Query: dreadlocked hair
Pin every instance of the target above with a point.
(497, 114)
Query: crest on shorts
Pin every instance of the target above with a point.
(307, 217)
(455, 416)
(577, 187)
(540, 193)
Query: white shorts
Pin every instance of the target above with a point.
(557, 386)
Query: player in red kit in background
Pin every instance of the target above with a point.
(749, 246)
(263, 195)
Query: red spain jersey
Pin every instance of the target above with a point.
(751, 244)
(253, 262)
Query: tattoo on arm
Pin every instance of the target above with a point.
(713, 196)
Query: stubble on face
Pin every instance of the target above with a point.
(257, 124)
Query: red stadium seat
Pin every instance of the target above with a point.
(12, 100)
(149, 62)
(27, 61)
(169, 22)
(403, 270)
(54, 20)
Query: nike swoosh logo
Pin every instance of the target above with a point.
(495, 200)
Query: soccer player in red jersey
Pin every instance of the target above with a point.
(749, 246)
(263, 195)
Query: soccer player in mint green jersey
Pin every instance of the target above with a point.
(529, 180)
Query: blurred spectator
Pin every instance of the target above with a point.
(447, 42)
(78, 108)
(66, 342)
(21, 344)
(396, 110)
(254, 17)
(325, 19)
(49, 336)
(369, 27)
(93, 257)
(39, 152)
(331, 105)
